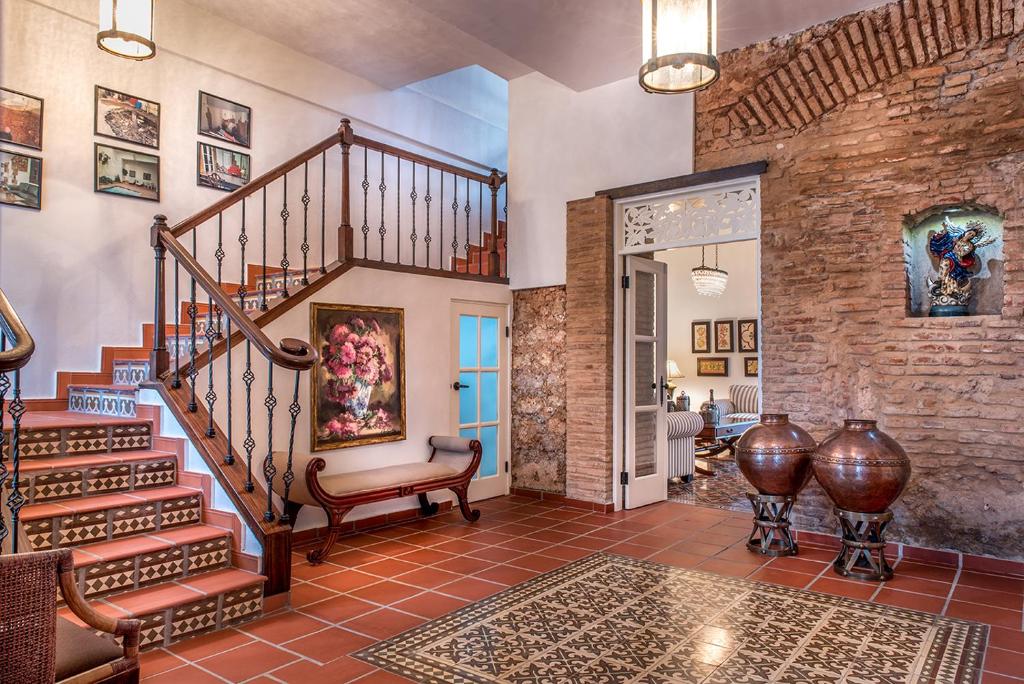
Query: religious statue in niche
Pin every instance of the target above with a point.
(954, 252)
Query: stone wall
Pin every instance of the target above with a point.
(865, 121)
(538, 389)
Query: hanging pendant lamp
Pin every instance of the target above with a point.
(679, 45)
(709, 282)
(126, 28)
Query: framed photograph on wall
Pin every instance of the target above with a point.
(750, 366)
(21, 119)
(21, 180)
(725, 336)
(747, 333)
(700, 334)
(127, 117)
(358, 382)
(221, 168)
(126, 172)
(713, 366)
(225, 120)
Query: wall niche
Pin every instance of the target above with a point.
(953, 256)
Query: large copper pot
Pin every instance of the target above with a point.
(775, 455)
(861, 468)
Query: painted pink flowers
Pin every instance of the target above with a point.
(355, 357)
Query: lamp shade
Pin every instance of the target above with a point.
(126, 28)
(672, 369)
(679, 45)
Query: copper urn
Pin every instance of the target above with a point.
(861, 468)
(775, 455)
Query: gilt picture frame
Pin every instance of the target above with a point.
(357, 385)
(747, 335)
(725, 336)
(713, 367)
(700, 337)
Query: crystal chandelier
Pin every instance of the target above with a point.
(126, 28)
(709, 282)
(679, 45)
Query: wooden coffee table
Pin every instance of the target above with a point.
(719, 438)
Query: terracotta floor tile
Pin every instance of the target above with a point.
(305, 571)
(385, 592)
(328, 644)
(591, 543)
(465, 565)
(352, 558)
(773, 575)
(383, 623)
(904, 582)
(698, 548)
(500, 554)
(391, 547)
(849, 588)
(566, 553)
(338, 671)
(189, 673)
(994, 582)
(209, 644)
(677, 558)
(429, 557)
(428, 578)
(726, 567)
(1010, 639)
(940, 573)
(994, 678)
(158, 660)
(816, 553)
(470, 588)
(989, 597)
(574, 527)
(537, 562)
(347, 580)
(389, 567)
(987, 614)
(524, 544)
(506, 574)
(338, 608)
(459, 546)
(657, 542)
(247, 661)
(906, 599)
(282, 627)
(1009, 663)
(305, 593)
(382, 677)
(430, 605)
(632, 550)
(797, 564)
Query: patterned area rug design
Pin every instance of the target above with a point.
(726, 490)
(610, 619)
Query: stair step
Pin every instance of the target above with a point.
(130, 371)
(143, 560)
(75, 522)
(103, 399)
(53, 479)
(69, 433)
(172, 611)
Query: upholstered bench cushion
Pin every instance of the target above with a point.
(379, 478)
(80, 650)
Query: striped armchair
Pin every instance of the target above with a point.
(683, 426)
(742, 404)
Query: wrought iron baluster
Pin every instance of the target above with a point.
(289, 475)
(5, 386)
(480, 228)
(426, 200)
(365, 185)
(263, 285)
(219, 255)
(284, 228)
(382, 187)
(269, 469)
(455, 222)
(323, 212)
(229, 455)
(249, 443)
(305, 223)
(211, 395)
(176, 382)
(243, 240)
(193, 312)
(466, 249)
(440, 213)
(412, 197)
(15, 500)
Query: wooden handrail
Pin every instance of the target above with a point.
(24, 346)
(290, 353)
(420, 159)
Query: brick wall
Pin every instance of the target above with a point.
(865, 121)
(538, 389)
(588, 358)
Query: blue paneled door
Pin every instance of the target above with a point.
(480, 390)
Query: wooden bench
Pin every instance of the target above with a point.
(340, 493)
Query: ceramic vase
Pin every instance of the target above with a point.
(775, 455)
(861, 468)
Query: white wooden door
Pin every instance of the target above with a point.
(645, 478)
(479, 404)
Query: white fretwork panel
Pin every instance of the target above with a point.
(715, 213)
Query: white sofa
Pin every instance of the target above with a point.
(683, 426)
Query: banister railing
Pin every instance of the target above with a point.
(16, 349)
(241, 256)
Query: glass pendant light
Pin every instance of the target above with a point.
(679, 45)
(126, 28)
(709, 282)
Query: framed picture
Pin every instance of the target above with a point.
(221, 168)
(358, 382)
(21, 119)
(224, 119)
(713, 366)
(126, 172)
(126, 117)
(724, 334)
(700, 333)
(747, 332)
(21, 180)
(750, 367)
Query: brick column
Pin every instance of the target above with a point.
(588, 358)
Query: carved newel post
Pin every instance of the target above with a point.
(775, 457)
(864, 471)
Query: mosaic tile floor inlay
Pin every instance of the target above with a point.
(727, 490)
(610, 619)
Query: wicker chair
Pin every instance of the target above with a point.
(40, 647)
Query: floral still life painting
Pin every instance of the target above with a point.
(358, 383)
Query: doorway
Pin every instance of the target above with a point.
(480, 391)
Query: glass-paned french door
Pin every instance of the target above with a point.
(646, 443)
(480, 390)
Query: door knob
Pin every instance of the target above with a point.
(458, 385)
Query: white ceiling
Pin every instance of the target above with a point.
(580, 43)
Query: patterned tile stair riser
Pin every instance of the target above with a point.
(608, 618)
(93, 483)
